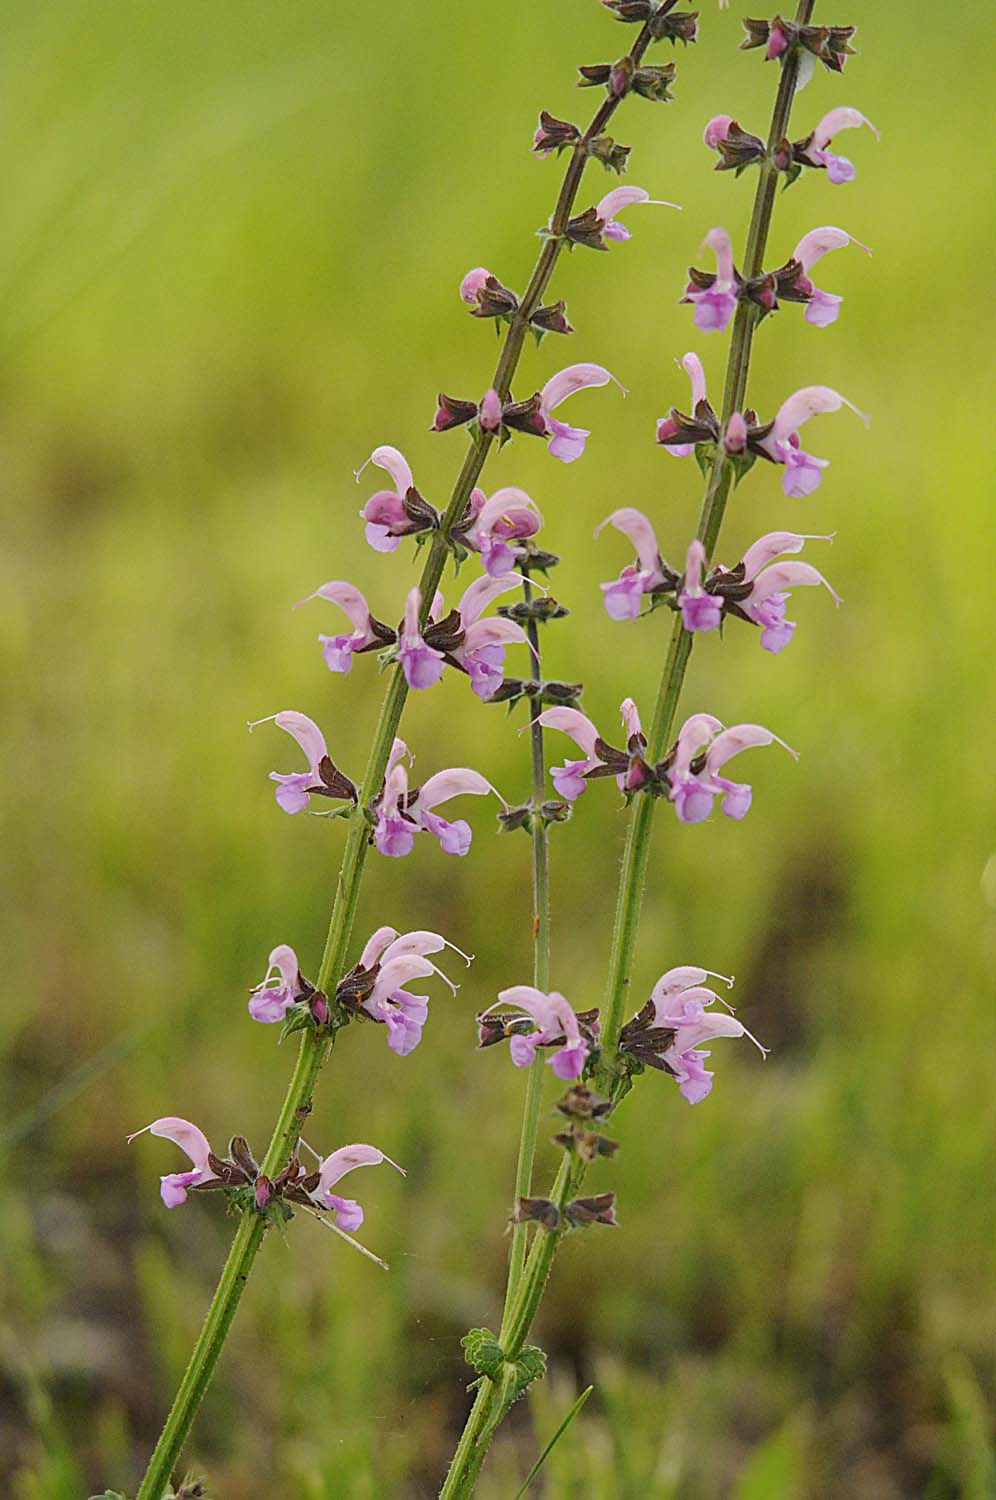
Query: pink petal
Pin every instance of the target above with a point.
(819, 241)
(458, 781)
(394, 463)
(773, 544)
(634, 524)
(573, 378)
(843, 118)
(573, 722)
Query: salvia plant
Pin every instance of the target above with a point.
(498, 540)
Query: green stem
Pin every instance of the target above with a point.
(541, 956)
(313, 1048)
(487, 1412)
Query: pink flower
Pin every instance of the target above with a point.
(813, 151)
(821, 307)
(714, 302)
(322, 779)
(338, 650)
(565, 442)
(555, 1021)
(421, 664)
(772, 581)
(194, 1142)
(495, 525)
(568, 779)
(607, 209)
(401, 813)
(803, 471)
(481, 652)
(624, 595)
(396, 960)
(670, 426)
(349, 1214)
(699, 610)
(680, 1004)
(385, 514)
(692, 767)
(269, 1002)
(571, 779)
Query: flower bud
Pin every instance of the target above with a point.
(551, 319)
(553, 134)
(612, 156)
(598, 1210)
(717, 130)
(735, 437)
(537, 1211)
(675, 26)
(263, 1191)
(452, 412)
(489, 411)
(653, 82)
(472, 283)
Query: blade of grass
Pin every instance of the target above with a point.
(568, 1419)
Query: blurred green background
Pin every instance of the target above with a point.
(232, 241)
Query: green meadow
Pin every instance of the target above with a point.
(233, 236)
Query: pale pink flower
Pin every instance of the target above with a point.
(813, 151)
(714, 304)
(338, 650)
(702, 748)
(565, 442)
(683, 1007)
(322, 778)
(624, 595)
(173, 1188)
(821, 307)
(608, 208)
(553, 1018)
(803, 471)
(348, 1213)
(385, 514)
(269, 1002)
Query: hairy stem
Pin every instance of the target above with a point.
(313, 1048)
(489, 1409)
(541, 955)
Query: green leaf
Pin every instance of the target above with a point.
(531, 1365)
(568, 1419)
(483, 1352)
(741, 464)
(704, 457)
